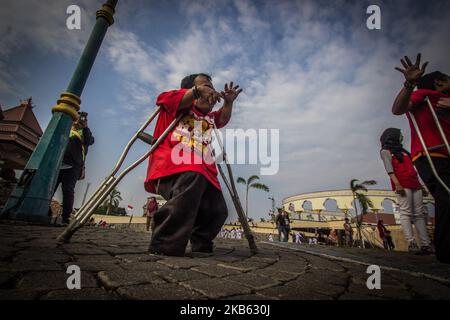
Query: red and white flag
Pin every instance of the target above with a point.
(130, 207)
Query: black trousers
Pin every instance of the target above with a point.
(68, 179)
(442, 202)
(195, 211)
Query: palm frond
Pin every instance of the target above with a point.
(252, 178)
(359, 187)
(241, 180)
(369, 182)
(260, 186)
(352, 183)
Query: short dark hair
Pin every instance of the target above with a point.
(428, 81)
(188, 81)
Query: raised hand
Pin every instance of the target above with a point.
(412, 72)
(209, 94)
(230, 93)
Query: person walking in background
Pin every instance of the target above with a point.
(385, 236)
(151, 207)
(283, 225)
(348, 233)
(405, 182)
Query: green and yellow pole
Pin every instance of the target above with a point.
(31, 198)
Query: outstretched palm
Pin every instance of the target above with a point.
(230, 93)
(412, 72)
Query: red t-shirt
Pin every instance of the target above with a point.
(405, 173)
(187, 147)
(426, 123)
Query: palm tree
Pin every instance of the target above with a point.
(249, 184)
(112, 201)
(364, 201)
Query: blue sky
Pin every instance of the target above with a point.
(308, 68)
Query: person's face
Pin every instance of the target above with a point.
(203, 103)
(443, 85)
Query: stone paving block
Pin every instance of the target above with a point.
(253, 281)
(359, 276)
(6, 278)
(131, 258)
(53, 280)
(42, 256)
(80, 249)
(296, 267)
(393, 292)
(266, 260)
(115, 279)
(292, 293)
(144, 266)
(423, 288)
(94, 258)
(277, 274)
(313, 285)
(37, 243)
(228, 259)
(323, 263)
(180, 275)
(161, 291)
(7, 253)
(31, 265)
(180, 262)
(243, 266)
(82, 294)
(6, 295)
(96, 266)
(320, 276)
(124, 250)
(215, 288)
(215, 270)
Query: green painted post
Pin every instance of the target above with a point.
(31, 198)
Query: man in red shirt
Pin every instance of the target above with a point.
(182, 169)
(436, 87)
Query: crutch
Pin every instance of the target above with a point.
(422, 141)
(86, 211)
(234, 196)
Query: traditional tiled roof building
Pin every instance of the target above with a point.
(19, 134)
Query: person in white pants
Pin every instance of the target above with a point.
(412, 212)
(405, 182)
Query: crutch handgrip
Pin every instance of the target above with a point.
(147, 138)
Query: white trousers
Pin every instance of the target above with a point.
(412, 212)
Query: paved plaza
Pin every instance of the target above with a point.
(115, 265)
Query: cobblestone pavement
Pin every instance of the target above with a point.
(115, 265)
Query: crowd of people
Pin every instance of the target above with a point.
(233, 233)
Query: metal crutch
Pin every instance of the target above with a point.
(422, 141)
(235, 197)
(111, 181)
